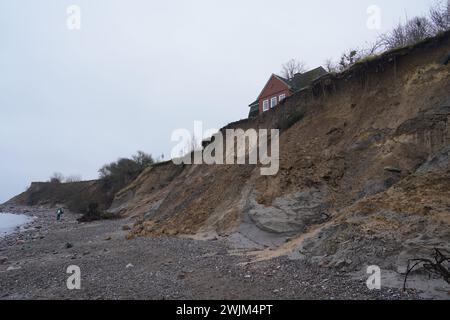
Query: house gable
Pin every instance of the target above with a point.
(274, 85)
(275, 88)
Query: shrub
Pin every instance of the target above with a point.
(413, 31)
(93, 213)
(349, 58)
(118, 174)
(57, 177)
(143, 159)
(290, 118)
(404, 34)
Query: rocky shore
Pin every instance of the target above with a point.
(33, 265)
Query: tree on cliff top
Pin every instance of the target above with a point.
(118, 174)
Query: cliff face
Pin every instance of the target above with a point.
(364, 171)
(365, 165)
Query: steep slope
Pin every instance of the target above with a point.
(360, 139)
(409, 219)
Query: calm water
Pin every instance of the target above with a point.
(9, 222)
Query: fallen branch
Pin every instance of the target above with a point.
(436, 267)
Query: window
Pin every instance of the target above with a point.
(273, 102)
(282, 97)
(265, 105)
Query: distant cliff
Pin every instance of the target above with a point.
(76, 196)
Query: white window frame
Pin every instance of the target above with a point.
(273, 102)
(265, 105)
(281, 97)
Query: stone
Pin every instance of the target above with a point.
(393, 169)
(12, 268)
(340, 263)
(68, 245)
(3, 260)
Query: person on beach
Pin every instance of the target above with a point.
(59, 213)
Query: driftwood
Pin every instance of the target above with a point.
(436, 267)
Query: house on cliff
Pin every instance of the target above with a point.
(278, 88)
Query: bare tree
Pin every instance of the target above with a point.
(396, 38)
(350, 57)
(73, 178)
(57, 177)
(404, 34)
(292, 67)
(418, 29)
(413, 31)
(374, 48)
(440, 16)
(330, 66)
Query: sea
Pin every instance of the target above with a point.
(10, 223)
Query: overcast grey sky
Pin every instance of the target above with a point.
(71, 101)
